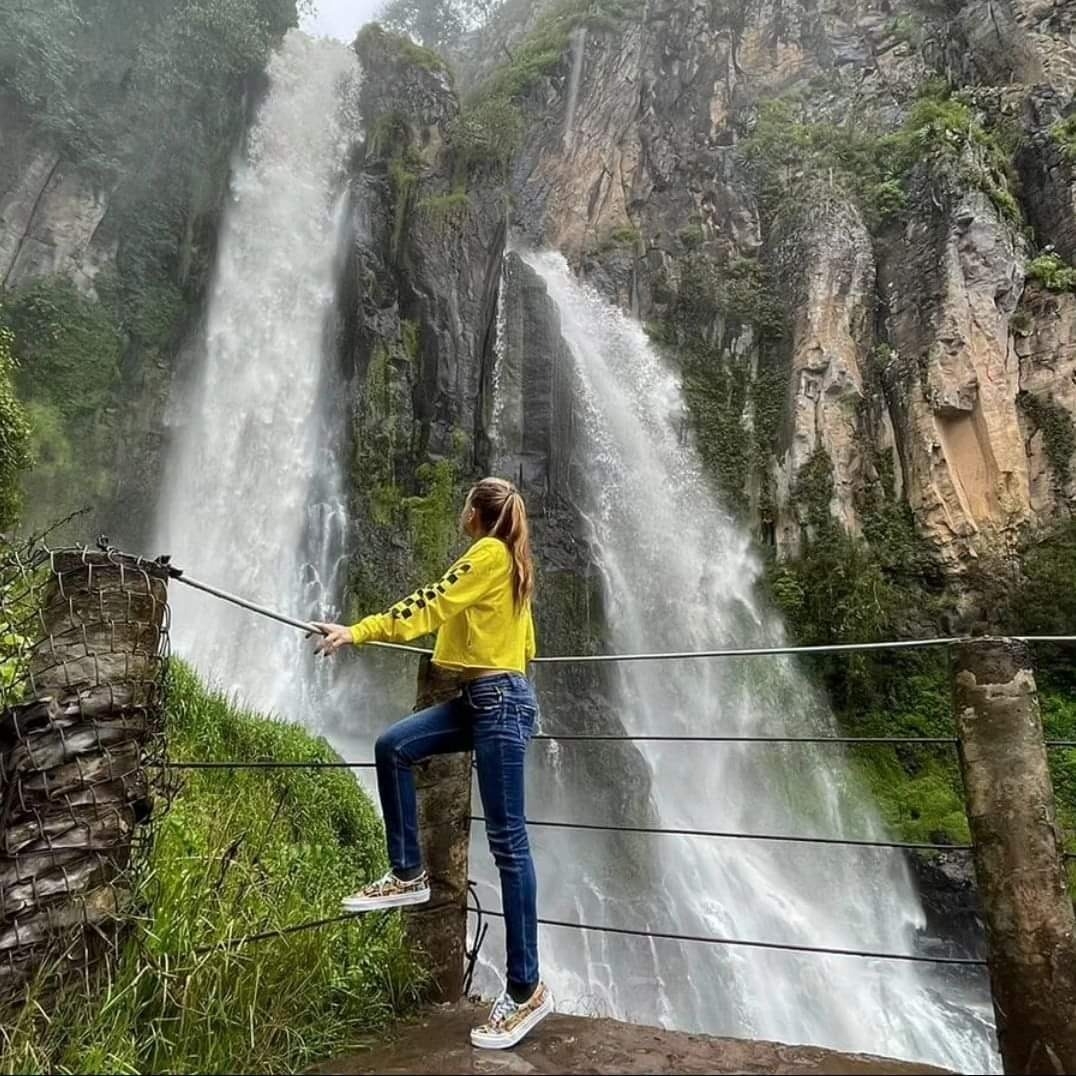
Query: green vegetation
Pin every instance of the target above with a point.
(1064, 134)
(905, 27)
(144, 98)
(1058, 434)
(431, 516)
(692, 236)
(375, 40)
(68, 349)
(1051, 271)
(239, 853)
(15, 450)
(438, 24)
(842, 589)
(447, 212)
(626, 235)
(735, 411)
(486, 131)
(788, 154)
(404, 176)
(545, 46)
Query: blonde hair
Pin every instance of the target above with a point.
(503, 515)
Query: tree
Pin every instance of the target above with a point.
(436, 23)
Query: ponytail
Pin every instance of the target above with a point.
(504, 515)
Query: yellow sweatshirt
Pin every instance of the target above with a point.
(474, 608)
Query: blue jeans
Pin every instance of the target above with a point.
(495, 718)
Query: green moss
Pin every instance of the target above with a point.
(374, 42)
(432, 516)
(715, 391)
(545, 46)
(1058, 433)
(735, 411)
(692, 236)
(404, 176)
(446, 212)
(377, 448)
(789, 154)
(569, 611)
(905, 27)
(625, 235)
(487, 131)
(1051, 271)
(411, 338)
(1063, 132)
(68, 347)
(389, 134)
(1022, 323)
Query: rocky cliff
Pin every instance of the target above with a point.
(118, 123)
(849, 225)
(862, 190)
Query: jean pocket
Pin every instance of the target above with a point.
(485, 700)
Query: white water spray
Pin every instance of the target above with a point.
(680, 575)
(256, 496)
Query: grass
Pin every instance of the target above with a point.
(239, 853)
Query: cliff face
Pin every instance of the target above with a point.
(117, 129)
(883, 216)
(51, 211)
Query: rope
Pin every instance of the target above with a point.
(910, 846)
(780, 946)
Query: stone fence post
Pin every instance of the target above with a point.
(439, 928)
(1019, 861)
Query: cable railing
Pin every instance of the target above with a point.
(656, 831)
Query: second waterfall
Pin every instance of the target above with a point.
(256, 502)
(678, 574)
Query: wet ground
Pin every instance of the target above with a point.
(437, 1042)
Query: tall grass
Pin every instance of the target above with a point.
(238, 853)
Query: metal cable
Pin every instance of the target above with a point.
(268, 765)
(268, 935)
(948, 741)
(907, 845)
(834, 648)
(782, 946)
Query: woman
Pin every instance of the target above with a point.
(482, 608)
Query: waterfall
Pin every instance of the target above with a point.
(255, 493)
(578, 39)
(256, 500)
(679, 575)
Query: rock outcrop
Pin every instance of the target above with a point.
(657, 158)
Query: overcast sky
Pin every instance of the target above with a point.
(340, 18)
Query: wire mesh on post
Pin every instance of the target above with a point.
(83, 649)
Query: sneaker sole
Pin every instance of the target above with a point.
(509, 1039)
(373, 904)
